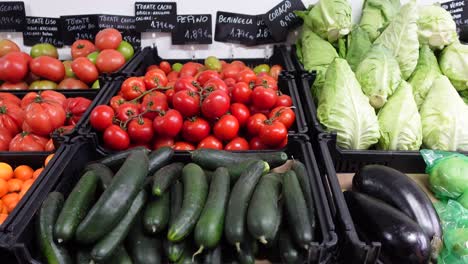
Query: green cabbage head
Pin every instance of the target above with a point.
(376, 14)
(316, 52)
(436, 27)
(358, 46)
(454, 64)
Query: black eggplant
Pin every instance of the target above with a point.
(398, 190)
(403, 240)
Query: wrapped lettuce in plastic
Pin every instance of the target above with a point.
(330, 19)
(343, 108)
(425, 73)
(399, 121)
(436, 27)
(376, 14)
(358, 46)
(454, 64)
(379, 75)
(444, 118)
(401, 38)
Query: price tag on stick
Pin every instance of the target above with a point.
(281, 18)
(236, 28)
(12, 16)
(43, 30)
(79, 27)
(193, 29)
(125, 24)
(155, 16)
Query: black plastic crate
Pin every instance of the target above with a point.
(300, 71)
(21, 243)
(351, 249)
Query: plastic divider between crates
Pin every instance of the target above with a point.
(67, 171)
(351, 249)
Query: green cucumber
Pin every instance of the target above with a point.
(103, 172)
(247, 251)
(296, 210)
(105, 247)
(83, 256)
(116, 160)
(156, 214)
(209, 228)
(143, 248)
(212, 159)
(116, 199)
(209, 175)
(288, 251)
(187, 257)
(164, 177)
(264, 212)
(120, 256)
(195, 192)
(159, 158)
(235, 170)
(76, 207)
(174, 250)
(301, 173)
(45, 223)
(239, 199)
(213, 256)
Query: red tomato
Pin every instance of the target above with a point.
(85, 70)
(187, 103)
(267, 82)
(14, 86)
(190, 69)
(247, 76)
(101, 117)
(132, 88)
(165, 66)
(238, 143)
(255, 124)
(48, 68)
(108, 38)
(216, 84)
(75, 109)
(283, 114)
(43, 117)
(11, 118)
(27, 58)
(109, 60)
(163, 142)
(273, 133)
(241, 93)
(210, 142)
(127, 111)
(9, 98)
(26, 141)
(152, 67)
(275, 71)
(44, 96)
(173, 76)
(116, 101)
(7, 46)
(63, 130)
(226, 128)
(230, 82)
(195, 129)
(230, 71)
(168, 124)
(81, 48)
(155, 78)
(204, 76)
(185, 83)
(283, 144)
(256, 144)
(72, 83)
(183, 146)
(49, 146)
(241, 112)
(153, 103)
(216, 104)
(13, 67)
(264, 98)
(284, 100)
(116, 138)
(140, 130)
(5, 139)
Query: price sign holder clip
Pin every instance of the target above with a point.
(192, 52)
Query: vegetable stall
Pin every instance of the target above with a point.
(343, 140)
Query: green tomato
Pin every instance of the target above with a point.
(262, 68)
(42, 85)
(68, 69)
(93, 56)
(95, 85)
(126, 49)
(213, 63)
(44, 49)
(177, 67)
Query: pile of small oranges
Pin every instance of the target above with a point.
(14, 183)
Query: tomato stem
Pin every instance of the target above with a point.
(148, 92)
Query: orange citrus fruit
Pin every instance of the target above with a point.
(23, 172)
(6, 171)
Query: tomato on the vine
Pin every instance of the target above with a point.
(190, 69)
(140, 130)
(284, 100)
(127, 111)
(284, 115)
(204, 76)
(132, 88)
(255, 123)
(195, 129)
(226, 128)
(169, 94)
(155, 78)
(183, 146)
(172, 76)
(264, 98)
(187, 103)
(116, 102)
(238, 143)
(247, 76)
(168, 124)
(210, 142)
(163, 142)
(153, 103)
(230, 82)
(185, 83)
(216, 84)
(267, 82)
(116, 138)
(273, 133)
(216, 104)
(241, 93)
(241, 112)
(230, 71)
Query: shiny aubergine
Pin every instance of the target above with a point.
(403, 240)
(398, 190)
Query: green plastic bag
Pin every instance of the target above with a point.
(448, 173)
(454, 218)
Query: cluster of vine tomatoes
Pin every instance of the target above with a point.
(217, 105)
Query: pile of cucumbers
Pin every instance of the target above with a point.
(222, 207)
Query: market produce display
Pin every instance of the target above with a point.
(27, 124)
(395, 81)
(217, 105)
(182, 212)
(42, 69)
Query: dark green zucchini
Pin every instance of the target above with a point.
(174, 250)
(120, 256)
(247, 251)
(103, 172)
(143, 248)
(156, 214)
(235, 170)
(116, 160)
(159, 158)
(164, 177)
(290, 254)
(301, 173)
(212, 158)
(83, 256)
(213, 256)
